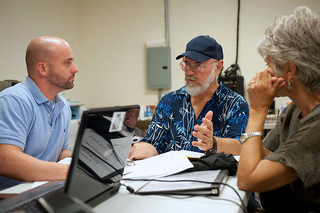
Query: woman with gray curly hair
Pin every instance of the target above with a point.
(284, 166)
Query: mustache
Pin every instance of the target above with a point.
(193, 78)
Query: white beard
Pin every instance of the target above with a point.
(197, 90)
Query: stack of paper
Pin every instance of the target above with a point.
(157, 166)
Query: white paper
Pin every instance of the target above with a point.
(38, 183)
(158, 166)
(237, 157)
(66, 160)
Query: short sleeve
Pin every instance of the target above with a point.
(14, 121)
(272, 139)
(300, 149)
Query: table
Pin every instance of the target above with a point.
(124, 202)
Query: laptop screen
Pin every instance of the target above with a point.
(100, 153)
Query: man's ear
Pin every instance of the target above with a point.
(42, 68)
(219, 67)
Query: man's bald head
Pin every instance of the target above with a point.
(41, 49)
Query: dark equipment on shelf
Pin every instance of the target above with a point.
(233, 82)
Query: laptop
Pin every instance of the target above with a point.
(99, 157)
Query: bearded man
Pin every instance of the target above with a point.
(203, 115)
(35, 119)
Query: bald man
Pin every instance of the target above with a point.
(34, 119)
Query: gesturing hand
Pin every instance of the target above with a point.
(204, 133)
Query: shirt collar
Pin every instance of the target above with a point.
(182, 91)
(220, 90)
(37, 94)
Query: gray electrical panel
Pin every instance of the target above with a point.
(158, 68)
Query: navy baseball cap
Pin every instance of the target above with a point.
(202, 48)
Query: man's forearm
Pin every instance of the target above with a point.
(64, 154)
(20, 166)
(32, 169)
(228, 145)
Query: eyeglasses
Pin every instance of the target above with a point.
(196, 67)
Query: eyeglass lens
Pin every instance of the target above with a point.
(196, 66)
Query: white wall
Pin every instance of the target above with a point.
(112, 50)
(108, 39)
(22, 20)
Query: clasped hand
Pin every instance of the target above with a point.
(263, 88)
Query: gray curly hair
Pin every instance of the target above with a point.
(295, 38)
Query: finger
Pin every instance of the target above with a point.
(202, 145)
(202, 130)
(209, 115)
(207, 124)
(274, 79)
(203, 140)
(198, 144)
(131, 152)
(262, 77)
(201, 137)
(277, 84)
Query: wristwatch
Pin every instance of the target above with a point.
(245, 136)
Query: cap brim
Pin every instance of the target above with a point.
(198, 57)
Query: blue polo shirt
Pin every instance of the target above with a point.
(172, 124)
(29, 121)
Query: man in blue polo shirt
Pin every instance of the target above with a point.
(34, 119)
(203, 115)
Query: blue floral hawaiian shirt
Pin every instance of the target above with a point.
(172, 124)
